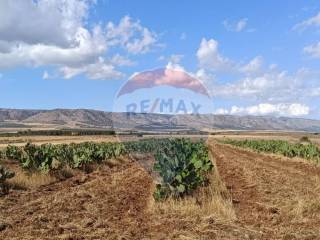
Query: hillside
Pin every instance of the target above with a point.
(155, 122)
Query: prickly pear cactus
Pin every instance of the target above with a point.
(4, 175)
(183, 166)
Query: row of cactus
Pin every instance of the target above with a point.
(307, 151)
(181, 163)
(183, 166)
(4, 175)
(41, 157)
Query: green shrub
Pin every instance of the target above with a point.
(310, 151)
(305, 139)
(4, 175)
(13, 152)
(183, 166)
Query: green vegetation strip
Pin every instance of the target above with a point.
(307, 150)
(60, 132)
(181, 163)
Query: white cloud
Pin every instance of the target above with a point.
(131, 35)
(55, 33)
(271, 86)
(252, 80)
(99, 70)
(206, 77)
(254, 66)
(221, 111)
(280, 109)
(268, 85)
(89, 46)
(255, 82)
(315, 92)
(264, 109)
(119, 60)
(237, 26)
(174, 58)
(313, 50)
(175, 66)
(209, 57)
(52, 22)
(313, 21)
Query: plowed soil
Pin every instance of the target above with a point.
(273, 198)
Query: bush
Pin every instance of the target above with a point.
(183, 166)
(2, 154)
(13, 152)
(4, 175)
(305, 139)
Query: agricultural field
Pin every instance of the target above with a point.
(292, 137)
(305, 149)
(228, 186)
(22, 139)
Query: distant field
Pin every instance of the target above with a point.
(288, 136)
(19, 141)
(42, 136)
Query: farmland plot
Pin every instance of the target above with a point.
(246, 196)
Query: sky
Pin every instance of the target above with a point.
(254, 57)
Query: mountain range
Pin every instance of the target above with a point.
(86, 118)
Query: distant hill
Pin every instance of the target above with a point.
(84, 118)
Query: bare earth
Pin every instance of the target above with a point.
(272, 198)
(276, 196)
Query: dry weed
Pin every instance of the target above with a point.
(23, 180)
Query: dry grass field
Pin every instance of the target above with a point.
(20, 141)
(250, 196)
(268, 135)
(288, 136)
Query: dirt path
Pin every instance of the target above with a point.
(275, 196)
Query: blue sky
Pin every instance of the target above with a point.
(255, 57)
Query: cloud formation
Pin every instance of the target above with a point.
(313, 21)
(42, 22)
(280, 109)
(313, 50)
(253, 79)
(62, 38)
(253, 67)
(270, 90)
(209, 57)
(238, 26)
(131, 35)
